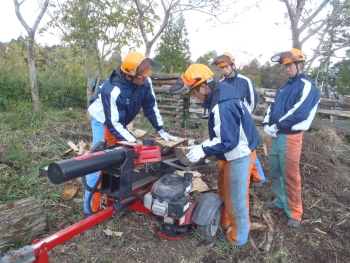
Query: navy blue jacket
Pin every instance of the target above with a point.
(118, 101)
(232, 133)
(247, 92)
(295, 105)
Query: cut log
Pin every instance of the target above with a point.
(20, 220)
(82, 146)
(257, 225)
(181, 152)
(73, 146)
(197, 182)
(167, 146)
(265, 244)
(139, 133)
(257, 208)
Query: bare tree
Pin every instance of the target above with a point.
(156, 14)
(30, 45)
(95, 30)
(316, 19)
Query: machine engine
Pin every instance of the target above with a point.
(169, 199)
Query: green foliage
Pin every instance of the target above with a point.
(252, 71)
(173, 52)
(207, 58)
(343, 77)
(29, 144)
(272, 76)
(60, 78)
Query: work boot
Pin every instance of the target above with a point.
(256, 184)
(293, 223)
(222, 238)
(270, 205)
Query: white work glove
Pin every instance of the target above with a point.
(166, 136)
(271, 130)
(195, 154)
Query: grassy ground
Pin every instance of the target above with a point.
(29, 143)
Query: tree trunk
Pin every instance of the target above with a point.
(21, 220)
(32, 73)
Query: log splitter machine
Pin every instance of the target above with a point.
(153, 190)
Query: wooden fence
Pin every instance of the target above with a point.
(187, 104)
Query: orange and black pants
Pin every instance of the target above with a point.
(284, 159)
(233, 187)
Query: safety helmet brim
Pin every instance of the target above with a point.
(286, 58)
(191, 83)
(177, 87)
(222, 61)
(146, 68)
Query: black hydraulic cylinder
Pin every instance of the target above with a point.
(65, 170)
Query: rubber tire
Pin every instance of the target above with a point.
(209, 231)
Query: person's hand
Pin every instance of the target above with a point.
(195, 154)
(166, 136)
(271, 130)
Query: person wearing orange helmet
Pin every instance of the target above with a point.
(116, 103)
(233, 138)
(290, 114)
(249, 97)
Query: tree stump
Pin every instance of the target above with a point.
(20, 220)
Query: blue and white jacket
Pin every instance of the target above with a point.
(118, 101)
(247, 92)
(232, 133)
(295, 106)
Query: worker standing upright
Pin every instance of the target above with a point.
(290, 114)
(249, 97)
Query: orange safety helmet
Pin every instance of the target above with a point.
(293, 55)
(137, 65)
(195, 75)
(224, 60)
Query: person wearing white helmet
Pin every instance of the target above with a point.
(290, 114)
(249, 97)
(116, 103)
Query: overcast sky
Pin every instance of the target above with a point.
(256, 33)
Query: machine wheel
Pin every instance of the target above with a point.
(209, 231)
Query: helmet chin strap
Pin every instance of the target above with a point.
(229, 75)
(298, 69)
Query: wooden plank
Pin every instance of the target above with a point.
(344, 129)
(159, 98)
(344, 103)
(161, 89)
(340, 113)
(174, 113)
(198, 110)
(170, 107)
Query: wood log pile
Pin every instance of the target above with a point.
(169, 105)
(196, 111)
